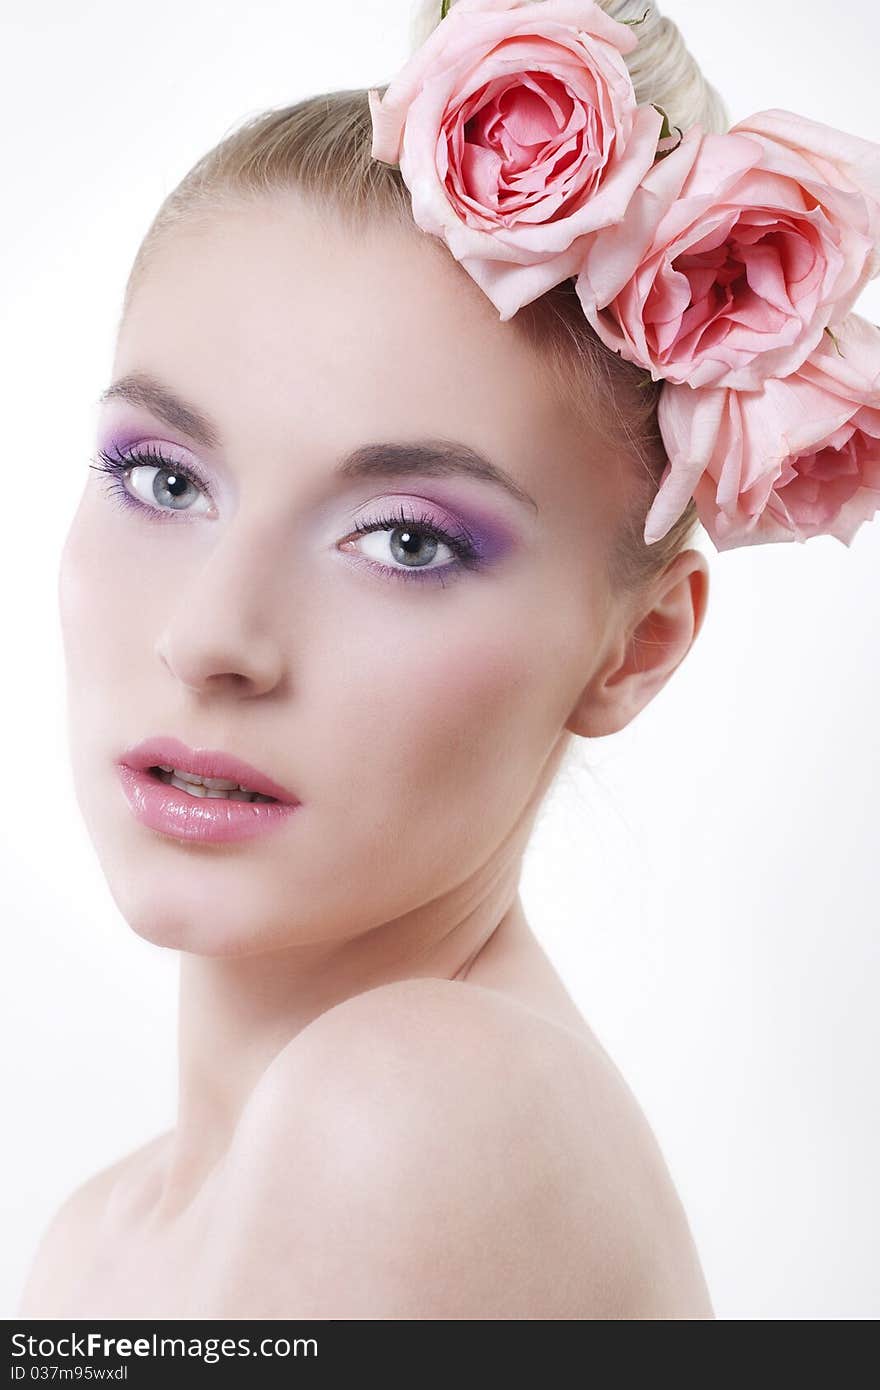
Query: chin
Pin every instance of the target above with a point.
(199, 931)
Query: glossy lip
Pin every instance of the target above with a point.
(197, 819)
(204, 762)
(200, 819)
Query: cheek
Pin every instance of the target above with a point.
(441, 726)
(103, 586)
(82, 587)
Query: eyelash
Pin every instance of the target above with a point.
(117, 466)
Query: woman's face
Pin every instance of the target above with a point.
(411, 691)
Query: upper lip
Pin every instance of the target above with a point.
(203, 762)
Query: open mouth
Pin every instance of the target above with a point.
(217, 788)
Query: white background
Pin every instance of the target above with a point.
(709, 894)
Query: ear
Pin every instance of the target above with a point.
(640, 660)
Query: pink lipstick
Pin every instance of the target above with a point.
(200, 794)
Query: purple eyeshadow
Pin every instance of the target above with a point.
(121, 441)
(488, 537)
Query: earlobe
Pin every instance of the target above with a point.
(644, 655)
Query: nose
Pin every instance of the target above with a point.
(220, 634)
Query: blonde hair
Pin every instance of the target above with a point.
(321, 147)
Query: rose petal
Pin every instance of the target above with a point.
(759, 247)
(518, 134)
(797, 458)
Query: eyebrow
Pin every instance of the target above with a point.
(432, 457)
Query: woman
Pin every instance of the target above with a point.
(356, 547)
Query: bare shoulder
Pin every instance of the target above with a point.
(66, 1234)
(434, 1149)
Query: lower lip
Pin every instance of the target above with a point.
(214, 820)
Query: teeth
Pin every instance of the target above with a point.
(215, 783)
(214, 787)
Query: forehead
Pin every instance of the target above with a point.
(293, 307)
(280, 322)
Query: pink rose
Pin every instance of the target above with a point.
(737, 251)
(798, 458)
(517, 133)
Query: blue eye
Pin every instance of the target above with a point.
(170, 489)
(414, 541)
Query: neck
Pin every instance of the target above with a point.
(236, 1014)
